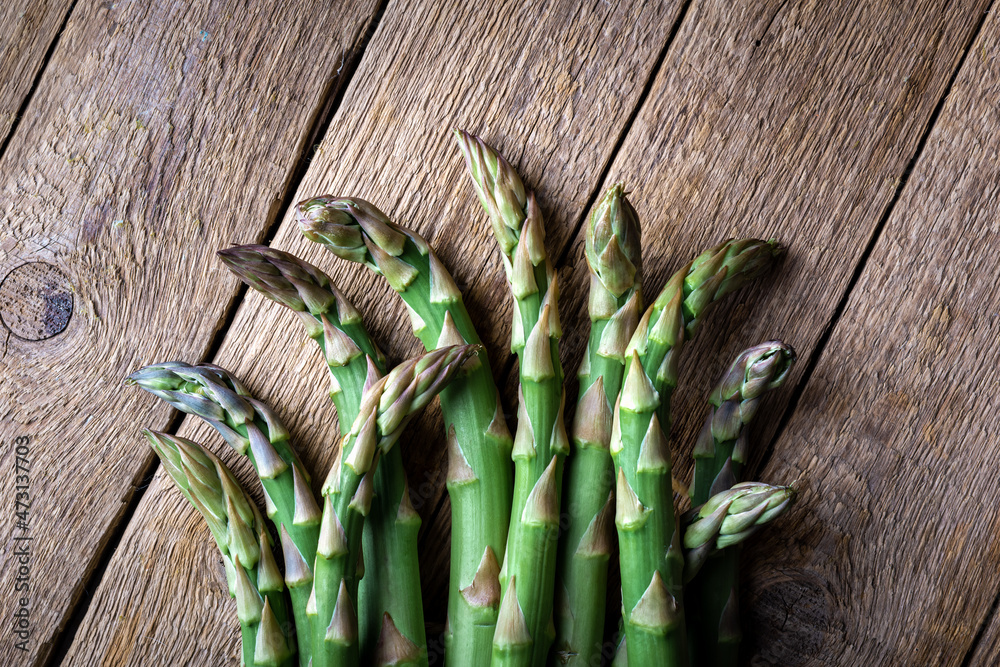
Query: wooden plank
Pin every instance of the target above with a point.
(892, 557)
(784, 120)
(809, 153)
(158, 132)
(27, 30)
(986, 652)
(494, 67)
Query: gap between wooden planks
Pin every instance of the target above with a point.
(810, 152)
(28, 32)
(389, 141)
(150, 140)
(707, 156)
(895, 555)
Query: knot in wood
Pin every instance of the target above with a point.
(36, 301)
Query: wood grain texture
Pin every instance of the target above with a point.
(986, 653)
(152, 138)
(27, 29)
(778, 120)
(495, 67)
(892, 557)
(809, 153)
(774, 119)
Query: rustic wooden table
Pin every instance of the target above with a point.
(136, 138)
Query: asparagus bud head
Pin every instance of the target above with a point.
(342, 224)
(755, 372)
(500, 189)
(729, 518)
(613, 242)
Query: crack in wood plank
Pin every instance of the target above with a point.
(560, 261)
(145, 146)
(330, 100)
(400, 139)
(817, 352)
(21, 70)
(382, 125)
(917, 415)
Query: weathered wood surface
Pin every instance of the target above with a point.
(894, 557)
(775, 119)
(27, 29)
(390, 142)
(810, 153)
(153, 138)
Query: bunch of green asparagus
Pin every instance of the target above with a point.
(532, 542)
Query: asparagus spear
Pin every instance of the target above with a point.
(387, 405)
(729, 518)
(713, 634)
(239, 531)
(649, 540)
(391, 584)
(254, 430)
(721, 449)
(479, 444)
(525, 626)
(614, 259)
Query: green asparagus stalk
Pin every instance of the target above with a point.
(479, 444)
(614, 259)
(721, 451)
(525, 626)
(649, 540)
(254, 430)
(729, 518)
(391, 584)
(239, 531)
(387, 405)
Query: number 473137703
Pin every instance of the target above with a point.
(22, 481)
